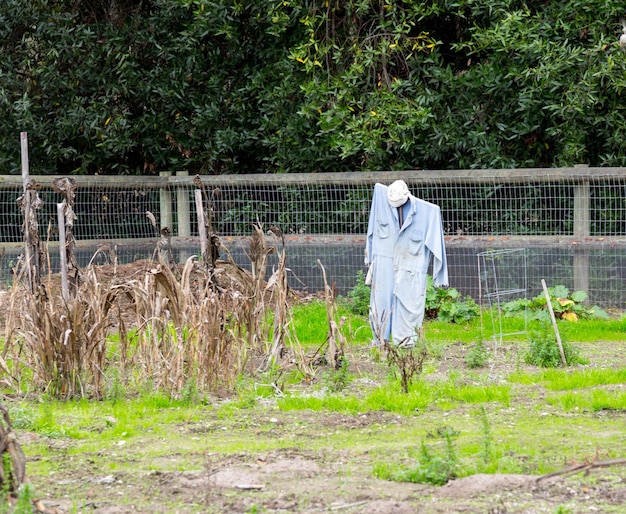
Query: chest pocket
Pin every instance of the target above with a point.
(383, 230)
(415, 242)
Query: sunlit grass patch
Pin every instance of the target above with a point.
(333, 403)
(586, 378)
(82, 419)
(477, 393)
(310, 324)
(452, 332)
(563, 380)
(590, 330)
(596, 400)
(391, 398)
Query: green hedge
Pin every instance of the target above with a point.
(226, 86)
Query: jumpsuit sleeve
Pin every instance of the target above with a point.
(380, 194)
(436, 244)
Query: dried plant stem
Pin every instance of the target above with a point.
(280, 289)
(175, 328)
(336, 340)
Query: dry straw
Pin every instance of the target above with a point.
(162, 329)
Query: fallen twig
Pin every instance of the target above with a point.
(583, 467)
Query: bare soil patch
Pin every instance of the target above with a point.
(302, 481)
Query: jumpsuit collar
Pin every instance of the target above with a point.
(408, 216)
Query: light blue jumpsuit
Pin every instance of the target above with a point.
(399, 258)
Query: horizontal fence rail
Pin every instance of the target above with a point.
(571, 220)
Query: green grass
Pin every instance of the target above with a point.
(80, 419)
(593, 330)
(594, 401)
(587, 330)
(561, 380)
(311, 324)
(390, 398)
(493, 431)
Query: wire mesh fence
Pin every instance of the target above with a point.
(571, 221)
(503, 277)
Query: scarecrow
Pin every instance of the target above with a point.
(404, 234)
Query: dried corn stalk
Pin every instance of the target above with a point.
(13, 468)
(336, 340)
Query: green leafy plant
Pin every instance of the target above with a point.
(435, 468)
(566, 306)
(544, 352)
(359, 296)
(340, 378)
(477, 355)
(447, 305)
(487, 439)
(24, 502)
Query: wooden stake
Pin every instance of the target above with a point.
(26, 200)
(31, 239)
(65, 292)
(554, 325)
(204, 242)
(67, 187)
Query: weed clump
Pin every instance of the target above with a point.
(359, 296)
(409, 362)
(339, 378)
(477, 355)
(432, 467)
(543, 351)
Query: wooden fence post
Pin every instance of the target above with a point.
(204, 241)
(582, 229)
(182, 208)
(582, 217)
(165, 201)
(31, 227)
(65, 291)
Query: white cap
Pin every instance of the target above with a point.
(398, 193)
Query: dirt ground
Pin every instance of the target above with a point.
(301, 483)
(296, 479)
(303, 475)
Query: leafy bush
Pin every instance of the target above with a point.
(432, 468)
(447, 305)
(133, 87)
(338, 379)
(359, 296)
(543, 351)
(477, 355)
(566, 306)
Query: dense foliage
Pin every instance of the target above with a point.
(227, 86)
(565, 305)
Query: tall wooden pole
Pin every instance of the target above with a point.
(165, 201)
(26, 199)
(204, 242)
(65, 292)
(182, 207)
